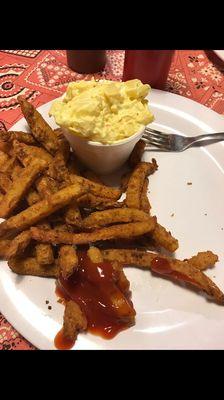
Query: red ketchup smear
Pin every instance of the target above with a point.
(93, 287)
(63, 343)
(162, 266)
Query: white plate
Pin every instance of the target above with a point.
(169, 316)
(220, 54)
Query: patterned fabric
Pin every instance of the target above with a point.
(42, 75)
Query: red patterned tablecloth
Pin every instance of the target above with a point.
(42, 75)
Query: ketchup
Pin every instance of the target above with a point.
(86, 61)
(150, 66)
(93, 286)
(162, 266)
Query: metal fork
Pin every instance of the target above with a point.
(171, 142)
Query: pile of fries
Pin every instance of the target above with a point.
(51, 205)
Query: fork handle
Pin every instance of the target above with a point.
(201, 138)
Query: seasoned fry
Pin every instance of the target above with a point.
(40, 210)
(112, 232)
(44, 251)
(4, 246)
(73, 216)
(96, 188)
(44, 254)
(129, 257)
(73, 164)
(9, 165)
(3, 159)
(124, 181)
(74, 320)
(137, 153)
(136, 181)
(89, 200)
(58, 170)
(180, 270)
(5, 147)
(26, 153)
(121, 280)
(59, 226)
(144, 201)
(67, 260)
(46, 186)
(30, 266)
(32, 197)
(19, 187)
(19, 244)
(39, 127)
(121, 306)
(5, 182)
(95, 254)
(88, 174)
(108, 217)
(203, 260)
(24, 137)
(163, 238)
(16, 171)
(63, 144)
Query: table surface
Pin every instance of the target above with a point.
(42, 75)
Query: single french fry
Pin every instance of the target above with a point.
(46, 186)
(95, 255)
(144, 200)
(39, 127)
(114, 216)
(121, 279)
(163, 238)
(5, 182)
(4, 158)
(137, 153)
(73, 216)
(124, 181)
(96, 188)
(44, 254)
(63, 144)
(32, 197)
(44, 251)
(67, 260)
(26, 153)
(30, 266)
(74, 320)
(89, 200)
(16, 171)
(41, 210)
(19, 187)
(4, 246)
(112, 232)
(88, 174)
(24, 137)
(19, 244)
(58, 171)
(73, 164)
(9, 165)
(5, 147)
(203, 260)
(136, 181)
(120, 304)
(61, 226)
(175, 269)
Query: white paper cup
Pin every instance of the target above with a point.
(102, 158)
